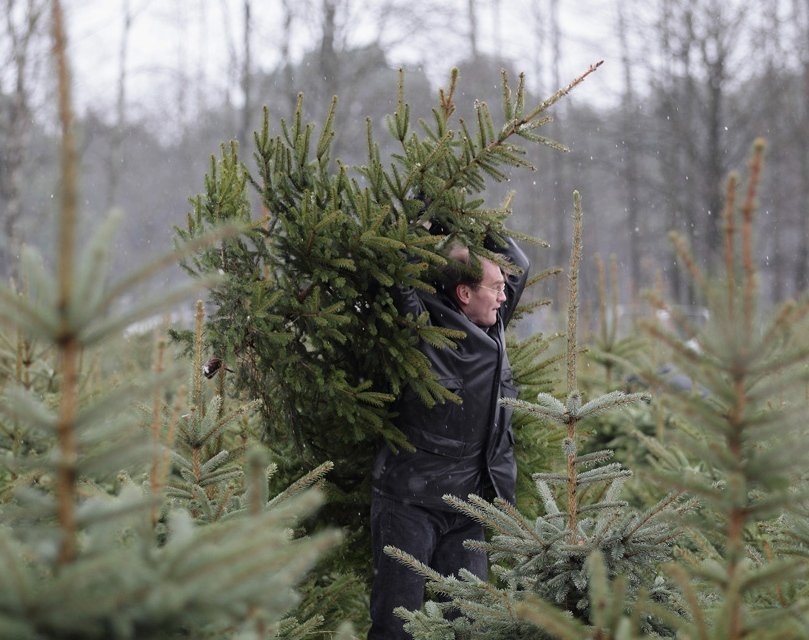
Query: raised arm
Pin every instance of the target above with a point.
(515, 282)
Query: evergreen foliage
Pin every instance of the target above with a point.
(740, 446)
(121, 519)
(547, 559)
(80, 553)
(305, 315)
(617, 354)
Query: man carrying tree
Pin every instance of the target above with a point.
(460, 448)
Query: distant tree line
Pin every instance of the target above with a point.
(699, 82)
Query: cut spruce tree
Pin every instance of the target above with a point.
(305, 315)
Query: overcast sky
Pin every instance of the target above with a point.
(179, 37)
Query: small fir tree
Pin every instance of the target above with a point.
(617, 353)
(547, 558)
(79, 553)
(740, 442)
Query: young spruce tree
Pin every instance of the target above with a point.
(80, 553)
(741, 446)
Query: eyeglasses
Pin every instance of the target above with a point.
(501, 288)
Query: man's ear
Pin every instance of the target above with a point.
(463, 293)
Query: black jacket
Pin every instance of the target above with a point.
(466, 448)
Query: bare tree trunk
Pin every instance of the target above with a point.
(631, 173)
(537, 57)
(688, 161)
(473, 29)
(328, 61)
(560, 198)
(802, 272)
(247, 105)
(774, 54)
(698, 40)
(115, 161)
(801, 16)
(182, 65)
(16, 123)
(676, 91)
(715, 161)
(286, 56)
(665, 79)
(498, 27)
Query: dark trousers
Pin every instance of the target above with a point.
(434, 537)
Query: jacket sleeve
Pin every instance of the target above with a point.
(515, 282)
(407, 300)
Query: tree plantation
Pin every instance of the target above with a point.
(212, 479)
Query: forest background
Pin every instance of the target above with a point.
(685, 88)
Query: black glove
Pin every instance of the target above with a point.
(493, 242)
(437, 229)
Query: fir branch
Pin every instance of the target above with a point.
(220, 477)
(772, 573)
(599, 475)
(612, 400)
(182, 250)
(408, 560)
(603, 506)
(548, 500)
(683, 252)
(546, 406)
(553, 478)
(220, 424)
(524, 525)
(561, 93)
(551, 619)
(485, 513)
(213, 464)
(661, 506)
(301, 484)
(594, 457)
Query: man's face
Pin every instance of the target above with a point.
(480, 304)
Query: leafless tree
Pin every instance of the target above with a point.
(628, 139)
(472, 14)
(560, 232)
(247, 75)
(23, 30)
(800, 18)
(115, 164)
(700, 61)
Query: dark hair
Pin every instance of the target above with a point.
(463, 267)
